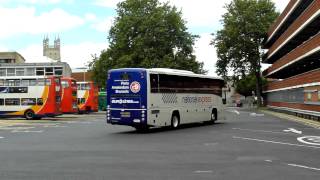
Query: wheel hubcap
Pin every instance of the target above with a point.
(175, 122)
(213, 116)
(29, 115)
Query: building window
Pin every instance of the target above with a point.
(20, 71)
(2, 82)
(309, 96)
(49, 71)
(30, 71)
(58, 71)
(3, 71)
(11, 72)
(39, 71)
(318, 95)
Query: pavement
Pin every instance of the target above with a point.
(247, 145)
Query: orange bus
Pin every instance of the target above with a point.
(69, 95)
(32, 98)
(87, 97)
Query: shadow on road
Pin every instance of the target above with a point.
(168, 129)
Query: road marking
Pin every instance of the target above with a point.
(237, 112)
(274, 142)
(256, 115)
(268, 160)
(19, 131)
(311, 140)
(234, 111)
(1, 137)
(206, 171)
(293, 131)
(210, 144)
(253, 130)
(305, 167)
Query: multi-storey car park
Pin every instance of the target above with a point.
(294, 52)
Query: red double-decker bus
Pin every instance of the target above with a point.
(69, 95)
(32, 98)
(87, 97)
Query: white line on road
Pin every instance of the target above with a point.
(207, 171)
(305, 167)
(256, 115)
(274, 142)
(234, 111)
(293, 131)
(268, 160)
(1, 137)
(19, 131)
(253, 130)
(311, 140)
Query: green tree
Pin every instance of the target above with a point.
(147, 34)
(239, 43)
(247, 85)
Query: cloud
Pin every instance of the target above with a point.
(107, 3)
(77, 55)
(2, 48)
(201, 13)
(90, 17)
(103, 25)
(36, 1)
(206, 53)
(24, 20)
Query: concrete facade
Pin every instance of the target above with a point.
(35, 70)
(294, 52)
(11, 57)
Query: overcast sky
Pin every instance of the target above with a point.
(83, 26)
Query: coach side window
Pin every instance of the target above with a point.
(154, 83)
(1, 102)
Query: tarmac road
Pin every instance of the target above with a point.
(247, 145)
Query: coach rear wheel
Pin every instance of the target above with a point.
(29, 115)
(175, 121)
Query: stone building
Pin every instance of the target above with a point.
(50, 51)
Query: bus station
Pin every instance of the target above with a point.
(156, 90)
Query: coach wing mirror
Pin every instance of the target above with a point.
(224, 95)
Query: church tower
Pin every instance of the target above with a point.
(52, 52)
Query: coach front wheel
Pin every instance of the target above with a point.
(214, 116)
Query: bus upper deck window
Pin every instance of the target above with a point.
(1, 82)
(25, 82)
(41, 82)
(64, 84)
(33, 82)
(57, 80)
(48, 82)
